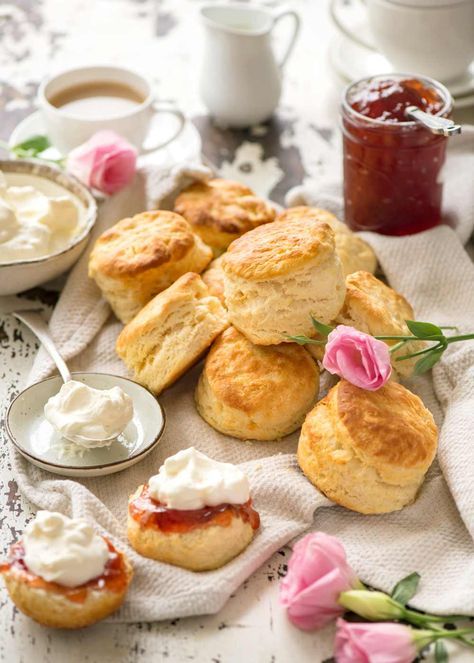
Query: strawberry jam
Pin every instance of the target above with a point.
(392, 166)
(114, 578)
(150, 513)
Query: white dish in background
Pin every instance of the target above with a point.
(186, 147)
(42, 445)
(352, 61)
(396, 28)
(24, 274)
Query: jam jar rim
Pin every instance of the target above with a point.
(347, 108)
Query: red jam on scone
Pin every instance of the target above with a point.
(195, 513)
(63, 574)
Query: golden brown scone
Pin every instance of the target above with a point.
(47, 603)
(213, 277)
(368, 450)
(353, 252)
(374, 308)
(171, 333)
(278, 275)
(256, 392)
(139, 257)
(222, 210)
(202, 548)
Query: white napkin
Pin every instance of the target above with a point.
(433, 536)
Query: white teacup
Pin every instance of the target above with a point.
(430, 37)
(67, 127)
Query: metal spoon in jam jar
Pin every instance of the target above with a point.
(441, 126)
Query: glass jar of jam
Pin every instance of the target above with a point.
(392, 167)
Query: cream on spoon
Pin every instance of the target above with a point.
(86, 416)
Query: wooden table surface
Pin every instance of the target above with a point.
(163, 40)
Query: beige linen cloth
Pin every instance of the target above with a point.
(434, 536)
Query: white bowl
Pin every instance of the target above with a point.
(40, 443)
(25, 274)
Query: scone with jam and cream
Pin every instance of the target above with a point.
(195, 513)
(63, 574)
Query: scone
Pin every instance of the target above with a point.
(213, 277)
(353, 252)
(139, 257)
(171, 333)
(278, 275)
(368, 451)
(256, 392)
(62, 574)
(374, 308)
(195, 513)
(222, 210)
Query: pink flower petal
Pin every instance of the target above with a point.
(317, 574)
(357, 357)
(383, 642)
(106, 162)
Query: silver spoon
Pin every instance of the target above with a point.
(34, 321)
(437, 125)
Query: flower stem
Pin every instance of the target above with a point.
(395, 347)
(458, 634)
(420, 352)
(398, 338)
(425, 621)
(463, 337)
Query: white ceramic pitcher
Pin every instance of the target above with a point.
(241, 78)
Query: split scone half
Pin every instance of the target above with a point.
(353, 252)
(256, 392)
(221, 210)
(64, 575)
(195, 513)
(279, 275)
(171, 333)
(368, 451)
(139, 257)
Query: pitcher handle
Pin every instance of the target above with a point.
(296, 28)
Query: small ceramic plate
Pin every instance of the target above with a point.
(352, 61)
(41, 444)
(186, 147)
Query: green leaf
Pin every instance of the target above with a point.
(32, 146)
(440, 652)
(406, 588)
(428, 361)
(423, 329)
(324, 330)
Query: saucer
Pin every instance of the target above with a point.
(40, 443)
(186, 147)
(352, 60)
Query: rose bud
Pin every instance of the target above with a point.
(318, 573)
(359, 358)
(106, 162)
(383, 642)
(371, 605)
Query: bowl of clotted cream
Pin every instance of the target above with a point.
(46, 217)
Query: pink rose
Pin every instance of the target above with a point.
(384, 642)
(357, 357)
(106, 162)
(318, 573)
